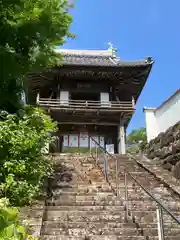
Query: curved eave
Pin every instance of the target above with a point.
(135, 64)
(129, 77)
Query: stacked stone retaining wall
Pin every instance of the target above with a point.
(165, 150)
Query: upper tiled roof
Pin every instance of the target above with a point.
(97, 58)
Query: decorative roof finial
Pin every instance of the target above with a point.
(110, 46)
(113, 50)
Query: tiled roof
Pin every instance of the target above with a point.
(98, 58)
(88, 60)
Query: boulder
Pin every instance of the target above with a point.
(177, 135)
(170, 159)
(177, 145)
(176, 127)
(168, 166)
(163, 152)
(176, 170)
(167, 139)
(151, 155)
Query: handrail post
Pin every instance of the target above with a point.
(90, 149)
(96, 154)
(133, 102)
(37, 98)
(160, 223)
(126, 197)
(105, 167)
(117, 173)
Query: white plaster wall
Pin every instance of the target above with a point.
(160, 119)
(151, 124)
(169, 113)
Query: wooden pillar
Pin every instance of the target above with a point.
(121, 139)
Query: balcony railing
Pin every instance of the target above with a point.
(86, 105)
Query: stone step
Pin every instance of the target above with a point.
(136, 173)
(103, 187)
(121, 165)
(149, 184)
(81, 194)
(133, 205)
(101, 197)
(101, 159)
(105, 225)
(78, 183)
(107, 216)
(93, 189)
(87, 188)
(86, 216)
(84, 203)
(92, 230)
(35, 213)
(99, 237)
(84, 208)
(151, 205)
(73, 196)
(130, 168)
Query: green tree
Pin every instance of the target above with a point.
(23, 166)
(10, 227)
(137, 136)
(29, 32)
(136, 140)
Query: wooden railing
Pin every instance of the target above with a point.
(88, 105)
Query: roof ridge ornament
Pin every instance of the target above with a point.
(149, 59)
(112, 49)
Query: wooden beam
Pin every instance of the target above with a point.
(90, 123)
(89, 110)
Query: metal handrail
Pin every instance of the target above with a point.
(148, 193)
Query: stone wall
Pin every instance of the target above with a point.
(164, 150)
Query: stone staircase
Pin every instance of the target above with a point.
(81, 205)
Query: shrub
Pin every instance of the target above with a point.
(10, 227)
(23, 167)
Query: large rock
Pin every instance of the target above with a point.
(177, 145)
(176, 170)
(172, 159)
(167, 138)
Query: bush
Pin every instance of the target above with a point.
(23, 167)
(10, 227)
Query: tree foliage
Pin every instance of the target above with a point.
(137, 140)
(30, 29)
(23, 167)
(10, 227)
(136, 136)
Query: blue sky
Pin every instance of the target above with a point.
(137, 28)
